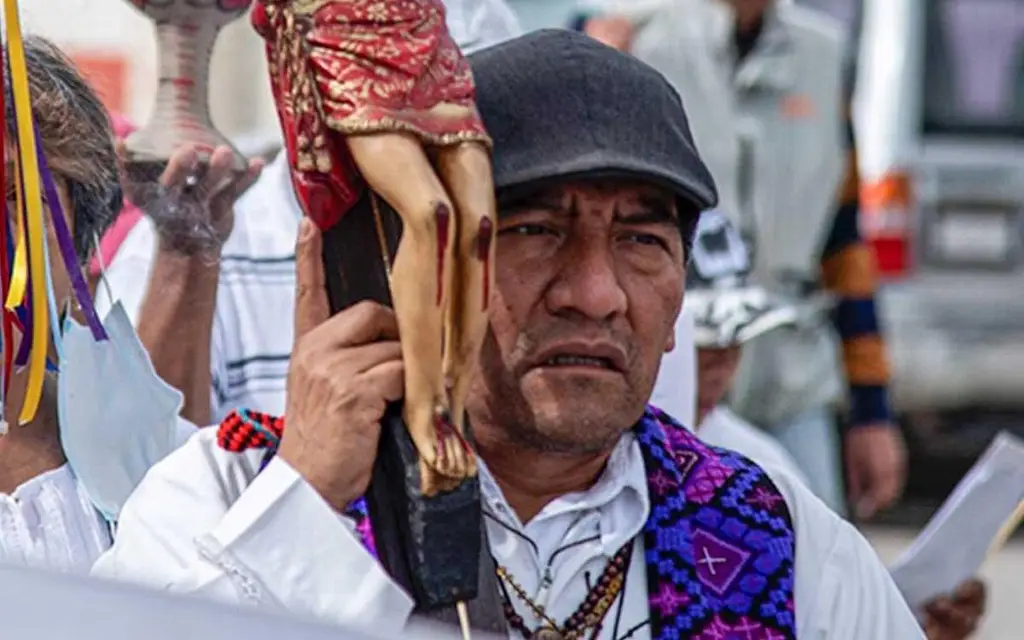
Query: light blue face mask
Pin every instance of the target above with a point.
(117, 416)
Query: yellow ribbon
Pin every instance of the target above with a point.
(34, 212)
(19, 268)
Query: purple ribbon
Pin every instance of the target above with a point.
(66, 244)
(22, 311)
(25, 316)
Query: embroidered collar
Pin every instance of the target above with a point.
(623, 482)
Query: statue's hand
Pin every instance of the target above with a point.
(192, 203)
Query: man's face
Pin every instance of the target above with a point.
(589, 284)
(715, 371)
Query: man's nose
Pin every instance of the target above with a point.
(588, 283)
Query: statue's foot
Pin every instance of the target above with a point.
(446, 458)
(453, 457)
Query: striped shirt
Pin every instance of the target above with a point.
(850, 272)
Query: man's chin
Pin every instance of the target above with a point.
(567, 384)
(583, 399)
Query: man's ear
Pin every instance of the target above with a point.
(670, 344)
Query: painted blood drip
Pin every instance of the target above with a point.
(443, 217)
(444, 428)
(465, 444)
(484, 238)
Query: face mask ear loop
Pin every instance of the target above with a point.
(65, 312)
(103, 268)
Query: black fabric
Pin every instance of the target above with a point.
(560, 105)
(486, 610)
(432, 543)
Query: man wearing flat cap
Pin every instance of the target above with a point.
(605, 518)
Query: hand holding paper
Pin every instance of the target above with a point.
(972, 524)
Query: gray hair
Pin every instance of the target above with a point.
(77, 139)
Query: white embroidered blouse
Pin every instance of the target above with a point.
(49, 522)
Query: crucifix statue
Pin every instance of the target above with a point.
(377, 94)
(386, 148)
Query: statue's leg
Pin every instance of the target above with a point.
(466, 172)
(396, 168)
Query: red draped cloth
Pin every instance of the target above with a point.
(344, 67)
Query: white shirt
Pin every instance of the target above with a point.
(675, 389)
(252, 334)
(723, 428)
(48, 522)
(203, 522)
(575, 535)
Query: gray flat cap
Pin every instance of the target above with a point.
(560, 105)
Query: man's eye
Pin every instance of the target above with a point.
(648, 239)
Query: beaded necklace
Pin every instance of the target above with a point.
(590, 614)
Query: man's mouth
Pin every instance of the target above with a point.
(593, 356)
(579, 361)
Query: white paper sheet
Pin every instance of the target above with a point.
(958, 538)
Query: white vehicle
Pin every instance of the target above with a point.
(940, 124)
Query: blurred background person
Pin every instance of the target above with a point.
(729, 313)
(46, 517)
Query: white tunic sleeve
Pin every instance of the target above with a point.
(48, 522)
(200, 523)
(857, 597)
(843, 591)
